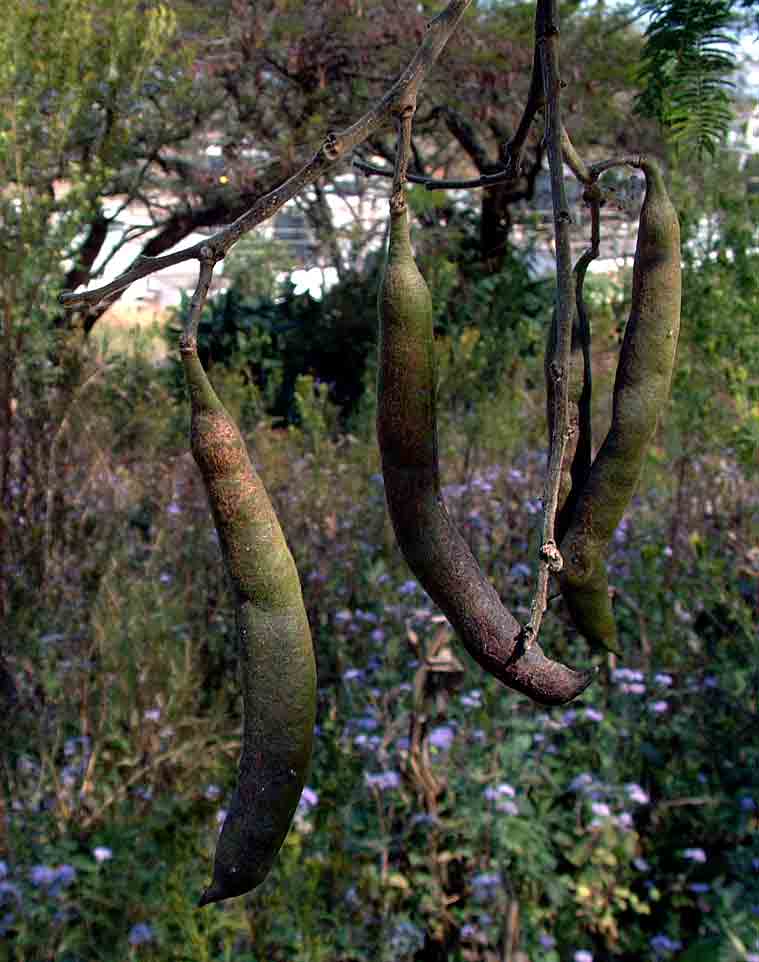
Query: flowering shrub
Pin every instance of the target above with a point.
(443, 813)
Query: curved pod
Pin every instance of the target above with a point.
(277, 665)
(430, 542)
(641, 389)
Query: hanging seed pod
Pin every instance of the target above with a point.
(577, 453)
(577, 461)
(430, 542)
(277, 666)
(641, 389)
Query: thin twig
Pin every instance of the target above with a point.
(628, 160)
(190, 323)
(504, 176)
(589, 175)
(661, 807)
(550, 560)
(402, 155)
(431, 183)
(512, 152)
(335, 146)
(574, 161)
(121, 790)
(508, 174)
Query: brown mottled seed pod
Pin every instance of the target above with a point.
(430, 542)
(641, 389)
(277, 667)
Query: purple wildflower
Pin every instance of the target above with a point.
(42, 875)
(472, 699)
(441, 737)
(581, 782)
(663, 944)
(140, 933)
(485, 885)
(353, 674)
(308, 799)
(382, 781)
(636, 794)
(499, 791)
(694, 854)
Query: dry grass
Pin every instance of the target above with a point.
(123, 325)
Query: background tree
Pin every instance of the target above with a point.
(83, 115)
(688, 59)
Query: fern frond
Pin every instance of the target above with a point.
(686, 65)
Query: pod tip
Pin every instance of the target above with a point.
(211, 894)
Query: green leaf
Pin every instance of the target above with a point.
(686, 66)
(707, 950)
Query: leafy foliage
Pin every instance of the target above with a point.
(274, 341)
(716, 388)
(686, 64)
(82, 88)
(489, 326)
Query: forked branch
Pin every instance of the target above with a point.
(335, 147)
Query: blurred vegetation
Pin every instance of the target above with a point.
(489, 327)
(83, 89)
(445, 817)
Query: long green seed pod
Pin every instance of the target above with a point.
(430, 542)
(641, 389)
(277, 666)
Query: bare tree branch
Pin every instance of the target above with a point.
(402, 155)
(574, 161)
(335, 146)
(486, 180)
(511, 153)
(629, 160)
(189, 338)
